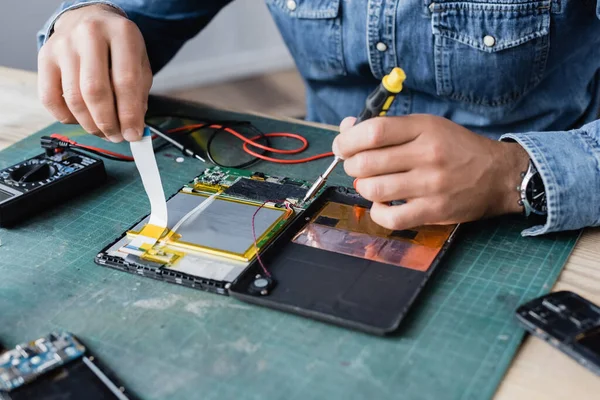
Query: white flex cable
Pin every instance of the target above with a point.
(196, 210)
(145, 161)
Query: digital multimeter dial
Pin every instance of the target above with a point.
(39, 182)
(32, 173)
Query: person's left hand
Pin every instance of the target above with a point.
(446, 173)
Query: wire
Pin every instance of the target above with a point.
(222, 127)
(253, 161)
(104, 155)
(219, 128)
(96, 150)
(260, 261)
(251, 142)
(175, 143)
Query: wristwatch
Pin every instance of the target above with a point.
(533, 193)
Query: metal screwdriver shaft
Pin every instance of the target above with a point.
(175, 143)
(377, 104)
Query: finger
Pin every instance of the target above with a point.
(347, 123)
(69, 67)
(406, 216)
(376, 133)
(399, 186)
(95, 85)
(130, 80)
(50, 91)
(385, 161)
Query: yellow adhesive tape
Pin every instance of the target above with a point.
(152, 231)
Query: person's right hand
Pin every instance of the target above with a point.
(94, 70)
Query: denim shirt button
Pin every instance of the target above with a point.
(381, 46)
(489, 41)
(291, 5)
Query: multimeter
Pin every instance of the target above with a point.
(36, 184)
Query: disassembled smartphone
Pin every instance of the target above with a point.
(256, 240)
(55, 367)
(568, 322)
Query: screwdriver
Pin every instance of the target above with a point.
(377, 104)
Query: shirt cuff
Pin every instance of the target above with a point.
(48, 30)
(568, 165)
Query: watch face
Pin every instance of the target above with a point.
(536, 195)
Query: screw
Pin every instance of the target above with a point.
(264, 292)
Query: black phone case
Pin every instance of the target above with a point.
(344, 290)
(559, 318)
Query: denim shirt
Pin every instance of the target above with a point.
(521, 70)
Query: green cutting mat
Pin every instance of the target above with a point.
(169, 342)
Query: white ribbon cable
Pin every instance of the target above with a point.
(196, 211)
(145, 161)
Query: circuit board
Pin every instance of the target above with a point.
(27, 361)
(249, 211)
(253, 187)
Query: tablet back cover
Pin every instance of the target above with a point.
(368, 292)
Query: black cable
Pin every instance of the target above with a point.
(231, 124)
(100, 154)
(215, 133)
(209, 153)
(211, 138)
(243, 165)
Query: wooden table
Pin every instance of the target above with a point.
(538, 371)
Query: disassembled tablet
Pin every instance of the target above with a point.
(55, 367)
(255, 240)
(209, 249)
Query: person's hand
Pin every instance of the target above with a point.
(94, 71)
(446, 173)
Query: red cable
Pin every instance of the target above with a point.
(278, 160)
(260, 262)
(251, 142)
(246, 145)
(265, 270)
(104, 151)
(186, 128)
(110, 153)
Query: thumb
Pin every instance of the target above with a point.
(347, 123)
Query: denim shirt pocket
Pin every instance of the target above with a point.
(491, 53)
(313, 33)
